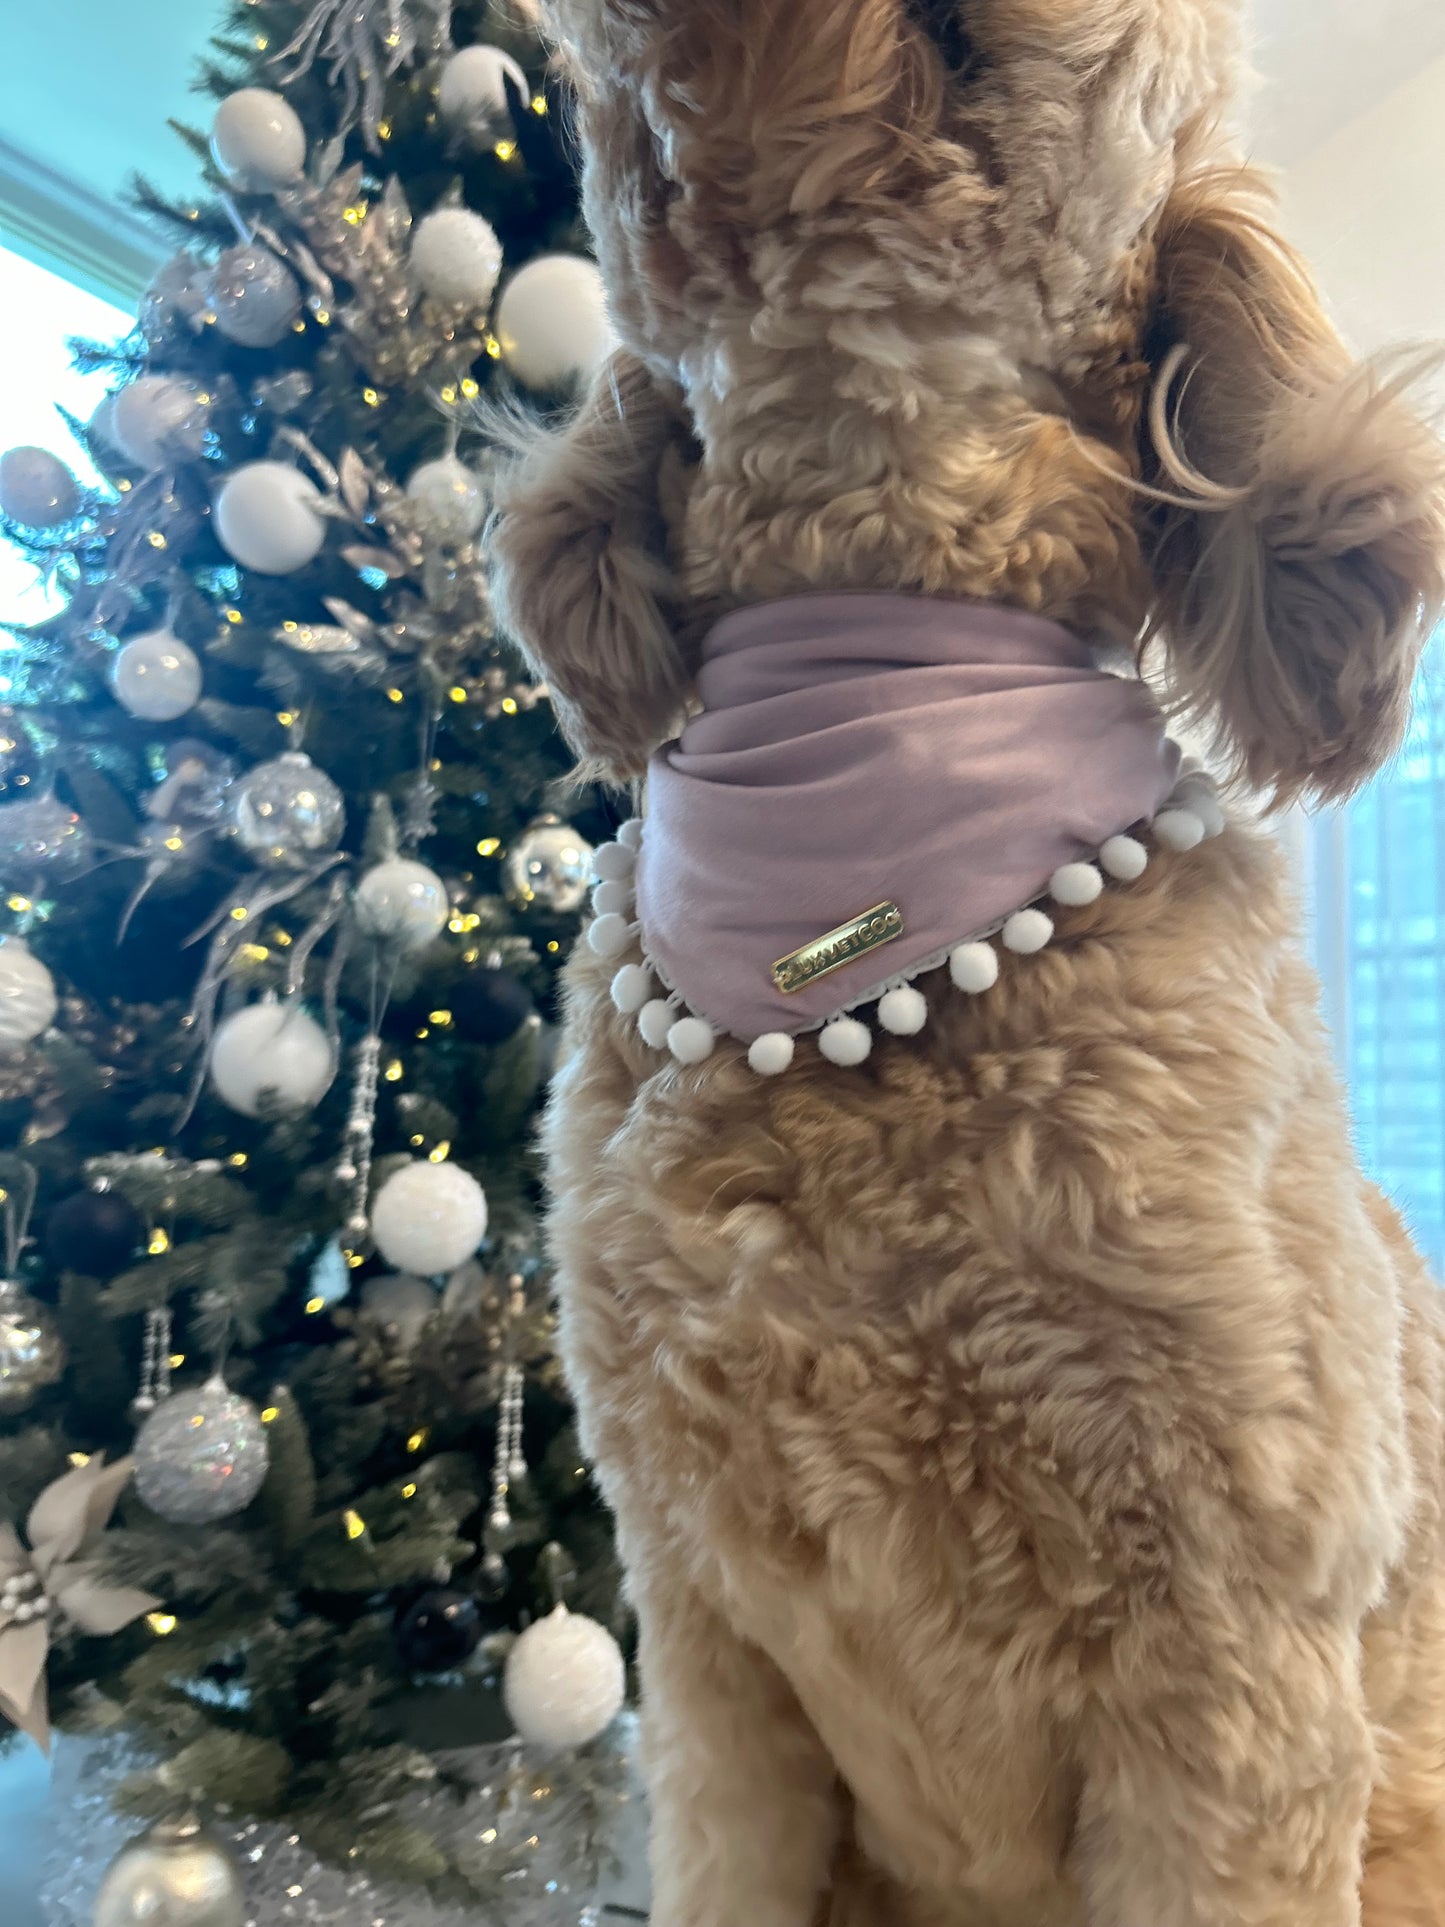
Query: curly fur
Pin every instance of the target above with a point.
(1027, 1448)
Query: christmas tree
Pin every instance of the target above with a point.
(290, 859)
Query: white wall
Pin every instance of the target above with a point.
(1368, 208)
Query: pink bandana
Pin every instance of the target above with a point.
(874, 784)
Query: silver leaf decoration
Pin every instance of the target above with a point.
(363, 43)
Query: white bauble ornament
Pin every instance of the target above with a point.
(449, 500)
(172, 1875)
(402, 902)
(457, 257)
(549, 867)
(552, 322)
(201, 1455)
(401, 1305)
(472, 94)
(565, 1681)
(32, 1353)
(159, 419)
(257, 140)
(428, 1218)
(36, 488)
(156, 676)
(254, 297)
(287, 811)
(267, 518)
(271, 1057)
(28, 1002)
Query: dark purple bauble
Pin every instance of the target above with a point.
(489, 1006)
(96, 1233)
(438, 1631)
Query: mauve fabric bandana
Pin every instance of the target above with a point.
(861, 750)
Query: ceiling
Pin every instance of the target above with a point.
(86, 87)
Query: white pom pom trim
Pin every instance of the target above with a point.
(609, 936)
(1075, 884)
(655, 1020)
(630, 835)
(613, 863)
(610, 897)
(1125, 858)
(691, 1040)
(1196, 794)
(974, 967)
(632, 988)
(1027, 932)
(845, 1042)
(1178, 830)
(903, 1012)
(771, 1054)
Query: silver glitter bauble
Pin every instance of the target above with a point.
(287, 812)
(254, 297)
(159, 420)
(549, 867)
(28, 1002)
(172, 1875)
(403, 903)
(36, 488)
(32, 1355)
(41, 837)
(201, 1455)
(448, 500)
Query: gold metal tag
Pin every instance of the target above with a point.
(844, 945)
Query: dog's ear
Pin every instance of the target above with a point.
(1295, 589)
(580, 575)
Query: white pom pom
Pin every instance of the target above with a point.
(1197, 795)
(630, 835)
(845, 1042)
(613, 863)
(771, 1054)
(612, 898)
(1178, 829)
(1027, 932)
(1125, 858)
(1075, 884)
(632, 988)
(564, 1682)
(974, 967)
(654, 1021)
(903, 1012)
(609, 936)
(457, 256)
(691, 1040)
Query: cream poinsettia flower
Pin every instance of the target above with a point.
(55, 1574)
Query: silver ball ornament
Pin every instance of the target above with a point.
(41, 837)
(428, 1218)
(158, 420)
(456, 257)
(549, 867)
(449, 500)
(201, 1455)
(271, 1056)
(156, 676)
(32, 1356)
(254, 297)
(28, 1002)
(402, 903)
(472, 92)
(552, 322)
(172, 1875)
(287, 812)
(257, 140)
(565, 1681)
(267, 517)
(36, 488)
(175, 293)
(401, 1305)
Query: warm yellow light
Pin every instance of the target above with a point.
(471, 389)
(489, 1836)
(392, 1073)
(408, 1491)
(175, 843)
(370, 397)
(554, 946)
(239, 1159)
(262, 43)
(504, 150)
(509, 705)
(271, 1414)
(354, 1258)
(354, 216)
(417, 1140)
(456, 924)
(240, 913)
(285, 717)
(355, 1524)
(470, 956)
(314, 1305)
(423, 1034)
(234, 615)
(298, 326)
(283, 938)
(124, 487)
(418, 1440)
(449, 395)
(290, 627)
(323, 316)
(18, 903)
(159, 1242)
(539, 103)
(176, 1360)
(494, 347)
(489, 846)
(383, 130)
(161, 1623)
(457, 693)
(442, 1152)
(156, 539)
(78, 1459)
(395, 696)
(255, 952)
(441, 1018)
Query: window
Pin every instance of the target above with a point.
(1380, 940)
(38, 312)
